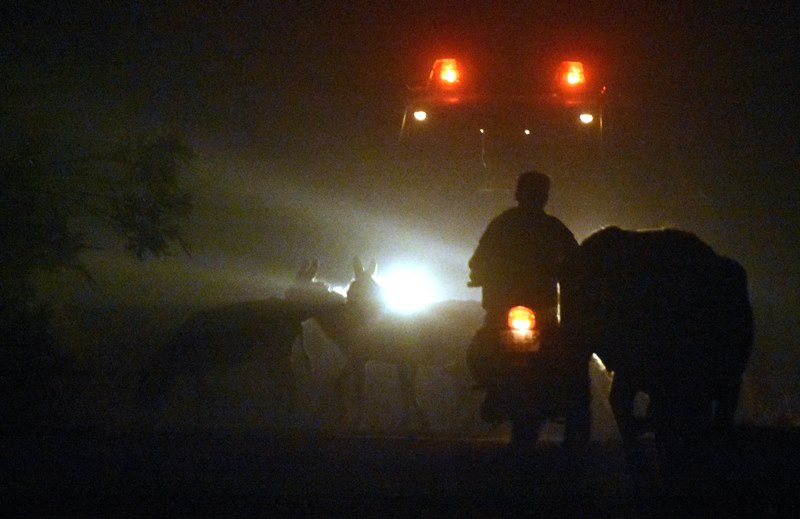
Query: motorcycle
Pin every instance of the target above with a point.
(531, 373)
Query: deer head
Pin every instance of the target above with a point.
(313, 296)
(364, 294)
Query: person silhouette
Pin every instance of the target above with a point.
(523, 251)
(519, 260)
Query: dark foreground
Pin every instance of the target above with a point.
(55, 473)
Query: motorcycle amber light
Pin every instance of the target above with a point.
(446, 72)
(521, 318)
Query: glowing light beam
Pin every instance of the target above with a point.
(407, 288)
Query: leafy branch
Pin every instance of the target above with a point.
(48, 205)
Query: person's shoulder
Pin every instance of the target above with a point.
(510, 214)
(514, 211)
(558, 225)
(554, 220)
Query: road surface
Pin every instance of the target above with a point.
(58, 473)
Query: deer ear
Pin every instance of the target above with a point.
(361, 272)
(373, 268)
(298, 276)
(307, 271)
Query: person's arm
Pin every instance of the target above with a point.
(481, 258)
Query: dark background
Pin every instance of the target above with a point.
(294, 108)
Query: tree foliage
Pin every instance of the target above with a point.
(148, 205)
(53, 201)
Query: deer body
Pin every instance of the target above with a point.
(437, 337)
(250, 337)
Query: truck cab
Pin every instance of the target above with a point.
(492, 111)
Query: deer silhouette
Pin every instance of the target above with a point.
(258, 333)
(368, 332)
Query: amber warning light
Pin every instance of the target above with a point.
(446, 72)
(521, 318)
(571, 74)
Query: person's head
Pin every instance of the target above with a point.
(533, 189)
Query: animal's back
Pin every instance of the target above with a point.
(218, 338)
(230, 333)
(437, 335)
(661, 305)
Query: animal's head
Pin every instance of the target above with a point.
(364, 293)
(312, 295)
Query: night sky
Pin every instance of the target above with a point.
(294, 112)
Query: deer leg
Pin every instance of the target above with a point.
(350, 388)
(359, 382)
(206, 401)
(412, 410)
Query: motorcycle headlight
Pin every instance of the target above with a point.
(521, 318)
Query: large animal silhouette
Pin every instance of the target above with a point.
(259, 334)
(672, 319)
(439, 336)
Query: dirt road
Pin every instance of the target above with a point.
(59, 473)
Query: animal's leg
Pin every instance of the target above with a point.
(205, 402)
(642, 459)
(469, 399)
(359, 383)
(683, 417)
(350, 388)
(621, 399)
(412, 410)
(151, 399)
(342, 387)
(727, 398)
(285, 396)
(686, 450)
